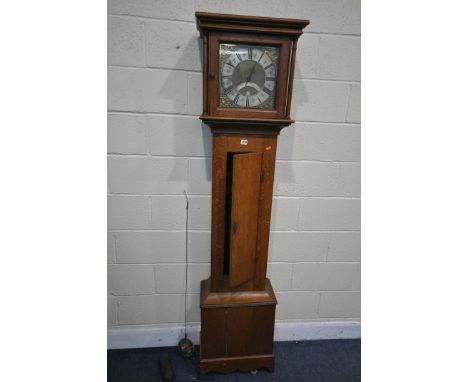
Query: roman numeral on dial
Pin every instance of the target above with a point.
(268, 91)
(261, 56)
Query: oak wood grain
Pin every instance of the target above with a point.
(244, 217)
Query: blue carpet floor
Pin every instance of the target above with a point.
(315, 361)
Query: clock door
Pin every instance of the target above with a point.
(246, 170)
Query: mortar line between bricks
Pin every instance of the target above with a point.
(307, 320)
(192, 324)
(316, 62)
(326, 122)
(154, 277)
(348, 82)
(182, 263)
(318, 291)
(139, 155)
(153, 294)
(162, 114)
(122, 155)
(280, 320)
(298, 214)
(317, 313)
(144, 43)
(348, 102)
(209, 195)
(150, 211)
(147, 136)
(155, 230)
(117, 310)
(152, 113)
(150, 18)
(347, 124)
(155, 68)
(325, 34)
(196, 293)
(114, 247)
(117, 230)
(192, 71)
(311, 262)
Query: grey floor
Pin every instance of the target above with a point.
(326, 360)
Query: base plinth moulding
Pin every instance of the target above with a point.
(245, 363)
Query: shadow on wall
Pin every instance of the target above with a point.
(285, 172)
(188, 131)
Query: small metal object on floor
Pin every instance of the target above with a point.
(165, 367)
(186, 348)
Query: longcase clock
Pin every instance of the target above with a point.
(248, 72)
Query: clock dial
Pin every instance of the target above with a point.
(248, 76)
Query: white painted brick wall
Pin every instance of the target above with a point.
(158, 148)
(320, 101)
(125, 279)
(339, 58)
(172, 45)
(125, 41)
(147, 90)
(354, 107)
(126, 134)
(178, 136)
(320, 142)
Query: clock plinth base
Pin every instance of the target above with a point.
(237, 329)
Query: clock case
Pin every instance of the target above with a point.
(263, 31)
(237, 302)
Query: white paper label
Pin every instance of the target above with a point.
(244, 142)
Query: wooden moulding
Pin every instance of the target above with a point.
(246, 123)
(251, 24)
(228, 299)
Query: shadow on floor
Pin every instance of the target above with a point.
(315, 361)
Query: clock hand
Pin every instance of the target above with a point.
(251, 72)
